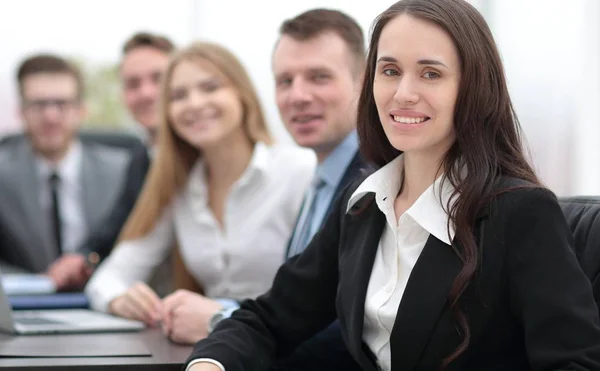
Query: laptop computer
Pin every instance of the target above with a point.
(36, 322)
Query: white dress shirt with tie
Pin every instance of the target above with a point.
(70, 195)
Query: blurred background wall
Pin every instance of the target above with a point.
(551, 50)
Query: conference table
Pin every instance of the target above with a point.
(110, 351)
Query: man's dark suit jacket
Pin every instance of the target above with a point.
(357, 167)
(103, 239)
(326, 349)
(529, 307)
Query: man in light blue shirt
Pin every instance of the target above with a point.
(328, 178)
(318, 64)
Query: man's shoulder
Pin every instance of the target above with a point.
(289, 160)
(358, 169)
(283, 153)
(12, 151)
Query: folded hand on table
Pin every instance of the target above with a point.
(69, 272)
(140, 303)
(186, 316)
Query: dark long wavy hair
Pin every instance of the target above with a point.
(488, 135)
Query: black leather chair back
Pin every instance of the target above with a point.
(583, 217)
(115, 139)
(110, 138)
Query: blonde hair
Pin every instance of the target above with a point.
(175, 158)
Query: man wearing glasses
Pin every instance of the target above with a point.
(54, 189)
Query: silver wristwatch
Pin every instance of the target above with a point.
(218, 317)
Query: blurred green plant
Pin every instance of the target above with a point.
(103, 96)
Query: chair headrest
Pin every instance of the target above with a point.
(118, 139)
(583, 217)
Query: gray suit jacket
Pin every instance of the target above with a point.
(26, 242)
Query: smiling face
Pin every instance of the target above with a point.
(204, 109)
(141, 72)
(316, 90)
(52, 111)
(416, 83)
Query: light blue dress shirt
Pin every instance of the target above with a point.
(330, 172)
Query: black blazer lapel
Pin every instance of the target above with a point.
(423, 301)
(357, 255)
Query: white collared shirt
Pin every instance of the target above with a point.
(238, 261)
(70, 195)
(400, 246)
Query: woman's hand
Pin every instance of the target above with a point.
(186, 316)
(140, 303)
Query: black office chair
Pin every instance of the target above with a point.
(118, 139)
(112, 138)
(583, 217)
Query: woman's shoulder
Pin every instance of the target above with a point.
(519, 197)
(291, 158)
(510, 187)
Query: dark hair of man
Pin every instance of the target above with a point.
(48, 63)
(147, 39)
(315, 22)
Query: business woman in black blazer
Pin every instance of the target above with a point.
(522, 261)
(499, 289)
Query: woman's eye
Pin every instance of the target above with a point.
(390, 72)
(431, 75)
(209, 88)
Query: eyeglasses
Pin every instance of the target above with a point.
(38, 106)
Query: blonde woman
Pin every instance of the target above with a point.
(219, 189)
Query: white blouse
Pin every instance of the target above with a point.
(238, 261)
(400, 246)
